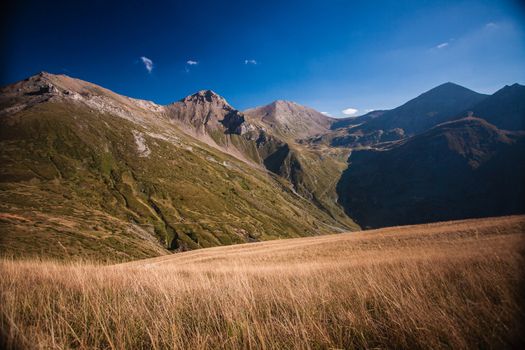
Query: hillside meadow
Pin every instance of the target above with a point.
(445, 285)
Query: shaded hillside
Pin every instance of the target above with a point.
(505, 108)
(460, 169)
(89, 173)
(313, 171)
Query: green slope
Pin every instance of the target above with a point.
(77, 182)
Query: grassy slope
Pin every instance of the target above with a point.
(445, 285)
(313, 171)
(321, 170)
(73, 183)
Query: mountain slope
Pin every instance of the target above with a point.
(431, 108)
(290, 120)
(268, 140)
(89, 173)
(378, 128)
(505, 108)
(459, 169)
(313, 171)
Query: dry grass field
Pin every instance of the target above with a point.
(446, 285)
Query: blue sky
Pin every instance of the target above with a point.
(331, 55)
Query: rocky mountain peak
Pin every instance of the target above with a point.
(207, 111)
(285, 103)
(205, 96)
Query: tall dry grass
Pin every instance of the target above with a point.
(432, 286)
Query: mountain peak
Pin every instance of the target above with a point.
(285, 103)
(448, 87)
(203, 96)
(437, 105)
(43, 75)
(289, 118)
(505, 108)
(513, 87)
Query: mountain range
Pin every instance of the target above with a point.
(90, 173)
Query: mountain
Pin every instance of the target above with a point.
(92, 174)
(207, 110)
(445, 102)
(268, 140)
(431, 108)
(313, 171)
(459, 169)
(505, 108)
(290, 120)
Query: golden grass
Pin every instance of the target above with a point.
(448, 285)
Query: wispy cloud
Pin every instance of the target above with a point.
(326, 113)
(192, 62)
(491, 25)
(350, 111)
(254, 62)
(442, 45)
(147, 63)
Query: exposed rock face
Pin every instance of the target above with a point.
(233, 122)
(206, 112)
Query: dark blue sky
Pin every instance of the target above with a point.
(331, 55)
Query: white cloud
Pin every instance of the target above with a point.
(147, 63)
(491, 25)
(350, 111)
(254, 62)
(442, 45)
(192, 62)
(326, 113)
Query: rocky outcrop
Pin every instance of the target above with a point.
(207, 112)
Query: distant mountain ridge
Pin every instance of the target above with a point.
(427, 110)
